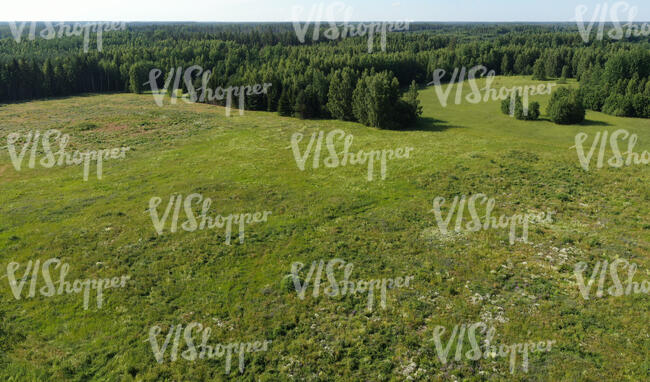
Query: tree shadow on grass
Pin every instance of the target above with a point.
(430, 124)
(588, 122)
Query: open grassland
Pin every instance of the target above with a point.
(385, 228)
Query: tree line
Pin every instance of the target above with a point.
(319, 79)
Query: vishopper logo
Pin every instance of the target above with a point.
(204, 351)
(67, 287)
(616, 160)
(319, 14)
(490, 222)
(486, 93)
(334, 160)
(619, 31)
(487, 350)
(205, 221)
(206, 94)
(345, 287)
(50, 32)
(618, 289)
(32, 140)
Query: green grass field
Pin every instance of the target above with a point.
(102, 228)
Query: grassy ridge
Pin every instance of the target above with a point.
(244, 164)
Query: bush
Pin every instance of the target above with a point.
(505, 106)
(85, 126)
(565, 107)
(533, 109)
(533, 112)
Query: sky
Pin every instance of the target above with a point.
(289, 10)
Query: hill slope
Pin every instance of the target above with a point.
(103, 228)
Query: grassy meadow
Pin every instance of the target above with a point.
(527, 291)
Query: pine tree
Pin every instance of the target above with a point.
(48, 77)
(412, 100)
(505, 65)
(633, 85)
(538, 71)
(301, 108)
(284, 105)
(520, 64)
(566, 72)
(340, 94)
(359, 107)
(137, 77)
(376, 102)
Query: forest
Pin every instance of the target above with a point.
(325, 79)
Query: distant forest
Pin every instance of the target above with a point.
(323, 78)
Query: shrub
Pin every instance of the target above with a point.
(533, 108)
(533, 112)
(565, 107)
(85, 126)
(505, 106)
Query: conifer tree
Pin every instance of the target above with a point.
(342, 85)
(538, 71)
(284, 105)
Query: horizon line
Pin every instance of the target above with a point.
(319, 21)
